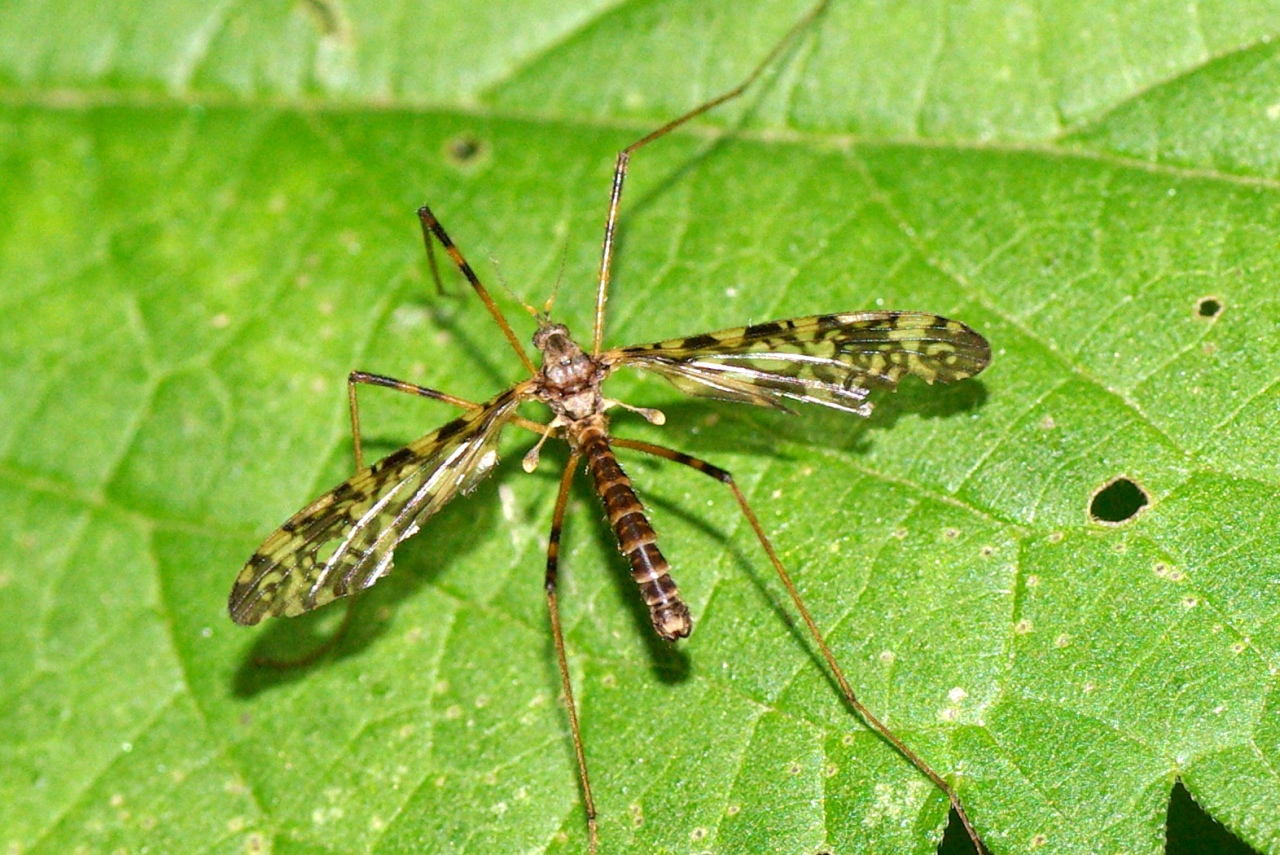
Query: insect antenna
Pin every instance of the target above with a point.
(555, 288)
(502, 280)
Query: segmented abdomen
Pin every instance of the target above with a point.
(636, 538)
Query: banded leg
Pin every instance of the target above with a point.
(858, 707)
(553, 567)
(431, 226)
(435, 268)
(624, 159)
(357, 377)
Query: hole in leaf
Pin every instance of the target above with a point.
(1118, 501)
(955, 840)
(1208, 307)
(1190, 830)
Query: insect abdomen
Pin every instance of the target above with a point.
(636, 538)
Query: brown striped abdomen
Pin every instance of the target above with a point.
(636, 538)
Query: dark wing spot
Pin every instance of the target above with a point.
(391, 461)
(699, 342)
(449, 430)
(345, 493)
(827, 323)
(763, 330)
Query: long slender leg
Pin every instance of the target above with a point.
(431, 262)
(553, 565)
(865, 714)
(357, 377)
(431, 226)
(624, 158)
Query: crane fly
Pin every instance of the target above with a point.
(345, 540)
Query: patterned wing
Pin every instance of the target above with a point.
(833, 360)
(344, 541)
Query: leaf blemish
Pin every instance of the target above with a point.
(466, 152)
(329, 19)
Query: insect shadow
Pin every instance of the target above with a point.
(288, 651)
(753, 431)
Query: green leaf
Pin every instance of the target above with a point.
(210, 222)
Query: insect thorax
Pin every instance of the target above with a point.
(569, 381)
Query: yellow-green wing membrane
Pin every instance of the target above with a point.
(833, 360)
(344, 541)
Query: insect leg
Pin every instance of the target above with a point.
(357, 377)
(435, 268)
(353, 403)
(624, 158)
(865, 714)
(553, 565)
(431, 226)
